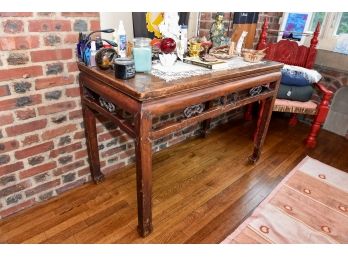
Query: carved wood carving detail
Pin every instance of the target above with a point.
(232, 98)
(107, 105)
(255, 90)
(223, 100)
(288, 52)
(193, 110)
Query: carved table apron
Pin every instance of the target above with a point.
(132, 105)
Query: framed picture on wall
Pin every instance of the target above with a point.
(294, 26)
(140, 28)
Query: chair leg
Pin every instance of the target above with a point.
(293, 120)
(319, 119)
(248, 115)
(311, 140)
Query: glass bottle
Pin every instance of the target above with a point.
(142, 54)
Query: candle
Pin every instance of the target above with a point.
(142, 59)
(142, 54)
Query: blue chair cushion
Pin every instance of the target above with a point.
(298, 76)
(295, 93)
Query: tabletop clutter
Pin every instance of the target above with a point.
(171, 47)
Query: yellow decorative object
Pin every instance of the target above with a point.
(195, 49)
(152, 25)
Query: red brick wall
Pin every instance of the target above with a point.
(206, 19)
(332, 78)
(273, 24)
(42, 144)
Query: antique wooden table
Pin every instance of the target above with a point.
(133, 104)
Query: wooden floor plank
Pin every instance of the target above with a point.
(217, 204)
(202, 190)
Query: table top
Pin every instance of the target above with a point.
(144, 86)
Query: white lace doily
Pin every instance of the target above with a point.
(182, 70)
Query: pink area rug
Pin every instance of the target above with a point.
(310, 205)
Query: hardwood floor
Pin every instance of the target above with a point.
(202, 190)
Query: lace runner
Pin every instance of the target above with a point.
(182, 70)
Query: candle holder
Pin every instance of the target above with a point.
(195, 49)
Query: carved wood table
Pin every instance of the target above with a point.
(133, 104)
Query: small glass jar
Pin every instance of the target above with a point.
(124, 68)
(142, 54)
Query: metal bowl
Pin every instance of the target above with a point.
(104, 58)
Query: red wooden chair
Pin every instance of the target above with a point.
(291, 53)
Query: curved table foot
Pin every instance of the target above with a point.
(145, 231)
(98, 178)
(253, 159)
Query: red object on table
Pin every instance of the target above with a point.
(107, 46)
(156, 42)
(168, 45)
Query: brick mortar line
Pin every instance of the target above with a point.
(50, 123)
(31, 64)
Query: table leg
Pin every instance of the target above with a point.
(92, 143)
(206, 123)
(143, 152)
(264, 118)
